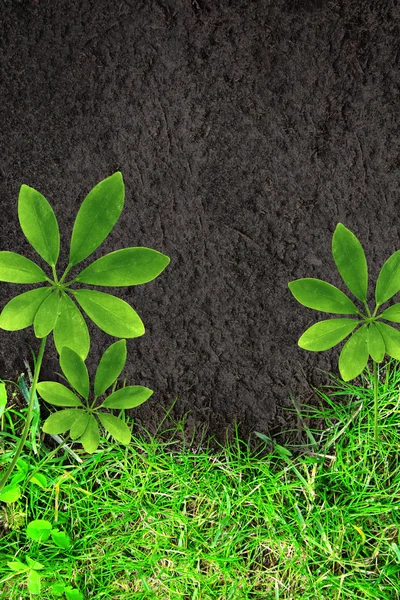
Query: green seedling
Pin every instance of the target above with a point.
(12, 492)
(370, 337)
(51, 309)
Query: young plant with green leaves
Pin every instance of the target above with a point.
(51, 308)
(370, 337)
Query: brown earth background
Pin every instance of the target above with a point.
(245, 131)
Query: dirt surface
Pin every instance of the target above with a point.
(245, 131)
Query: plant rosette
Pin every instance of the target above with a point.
(81, 418)
(370, 337)
(50, 309)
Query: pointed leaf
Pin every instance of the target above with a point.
(71, 329)
(46, 316)
(110, 366)
(20, 312)
(116, 427)
(60, 538)
(61, 421)
(354, 355)
(34, 564)
(57, 394)
(128, 397)
(130, 266)
(39, 224)
(17, 565)
(40, 480)
(391, 314)
(388, 283)
(376, 345)
(75, 371)
(10, 493)
(321, 295)
(112, 315)
(350, 260)
(91, 438)
(39, 530)
(15, 268)
(391, 337)
(96, 217)
(326, 334)
(34, 582)
(80, 425)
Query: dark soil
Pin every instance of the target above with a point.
(245, 131)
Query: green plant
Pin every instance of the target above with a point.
(50, 308)
(370, 337)
(40, 531)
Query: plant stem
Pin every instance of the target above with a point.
(25, 431)
(375, 401)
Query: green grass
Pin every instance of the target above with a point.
(154, 521)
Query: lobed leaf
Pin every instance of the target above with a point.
(350, 260)
(322, 296)
(75, 371)
(20, 312)
(128, 397)
(57, 394)
(96, 217)
(130, 266)
(326, 334)
(39, 224)
(354, 355)
(110, 314)
(46, 316)
(116, 427)
(110, 366)
(15, 268)
(388, 282)
(61, 421)
(71, 329)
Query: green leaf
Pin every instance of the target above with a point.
(376, 345)
(128, 397)
(96, 217)
(91, 438)
(17, 565)
(34, 582)
(321, 295)
(75, 371)
(73, 594)
(60, 538)
(3, 398)
(388, 283)
(39, 530)
(391, 337)
(15, 268)
(20, 312)
(61, 421)
(354, 355)
(10, 493)
(350, 260)
(40, 480)
(46, 316)
(57, 394)
(130, 266)
(34, 564)
(79, 427)
(326, 334)
(71, 329)
(391, 314)
(110, 314)
(39, 224)
(22, 466)
(110, 366)
(57, 589)
(116, 427)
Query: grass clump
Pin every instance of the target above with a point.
(151, 521)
